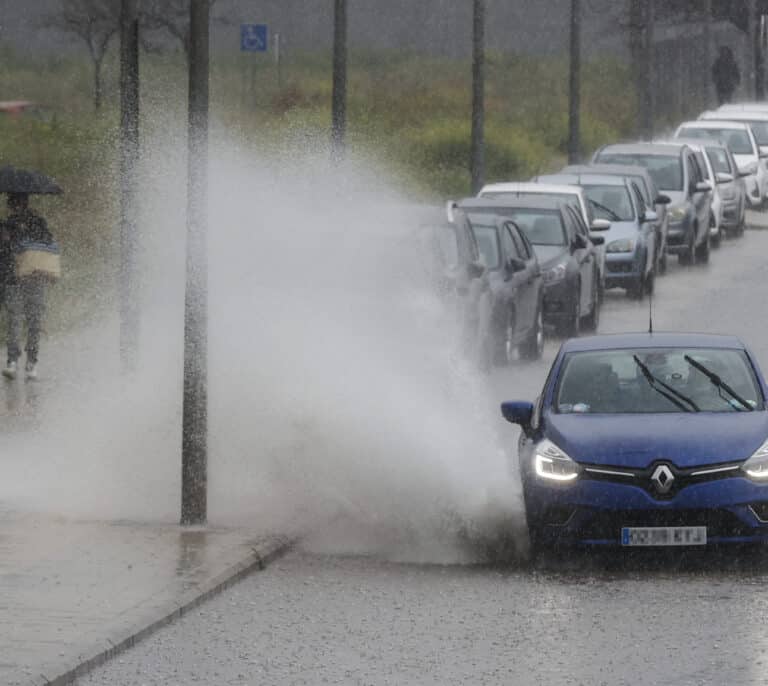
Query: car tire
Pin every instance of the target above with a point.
(592, 320)
(572, 327)
(637, 290)
(650, 283)
(702, 251)
(533, 347)
(663, 263)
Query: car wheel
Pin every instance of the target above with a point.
(505, 330)
(572, 326)
(592, 320)
(637, 289)
(533, 347)
(702, 251)
(650, 283)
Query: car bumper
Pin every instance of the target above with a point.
(622, 270)
(593, 513)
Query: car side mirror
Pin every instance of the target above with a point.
(763, 150)
(475, 269)
(597, 240)
(662, 199)
(723, 177)
(579, 242)
(600, 225)
(748, 169)
(650, 216)
(703, 187)
(515, 265)
(518, 412)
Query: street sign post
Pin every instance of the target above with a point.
(254, 38)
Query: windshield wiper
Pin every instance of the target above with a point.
(720, 385)
(673, 395)
(615, 217)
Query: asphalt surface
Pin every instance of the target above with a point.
(680, 618)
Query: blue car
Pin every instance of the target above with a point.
(646, 440)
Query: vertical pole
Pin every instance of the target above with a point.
(195, 408)
(752, 37)
(708, 54)
(647, 105)
(339, 97)
(278, 61)
(129, 156)
(574, 102)
(760, 58)
(477, 144)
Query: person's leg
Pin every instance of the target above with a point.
(14, 305)
(34, 310)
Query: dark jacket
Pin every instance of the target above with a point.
(15, 231)
(725, 74)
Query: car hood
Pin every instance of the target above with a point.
(636, 441)
(619, 230)
(549, 255)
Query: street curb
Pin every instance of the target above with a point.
(258, 560)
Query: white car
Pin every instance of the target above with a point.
(756, 119)
(741, 142)
(570, 194)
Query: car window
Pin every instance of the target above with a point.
(509, 248)
(488, 244)
(759, 131)
(639, 200)
(702, 164)
(615, 381)
(665, 170)
(578, 222)
(542, 227)
(610, 202)
(521, 243)
(643, 186)
(737, 140)
(718, 158)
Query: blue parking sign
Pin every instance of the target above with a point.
(253, 38)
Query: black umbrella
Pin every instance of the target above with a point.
(14, 180)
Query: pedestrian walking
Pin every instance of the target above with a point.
(725, 74)
(28, 262)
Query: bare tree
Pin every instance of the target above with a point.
(95, 22)
(172, 18)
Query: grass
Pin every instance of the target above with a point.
(409, 112)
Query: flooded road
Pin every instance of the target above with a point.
(682, 618)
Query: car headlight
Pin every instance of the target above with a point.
(756, 467)
(555, 274)
(677, 214)
(551, 463)
(622, 245)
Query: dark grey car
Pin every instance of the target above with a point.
(567, 255)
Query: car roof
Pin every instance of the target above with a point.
(605, 168)
(652, 340)
(714, 123)
(530, 187)
(735, 115)
(595, 178)
(640, 149)
(542, 203)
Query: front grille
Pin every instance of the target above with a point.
(661, 487)
(607, 524)
(676, 239)
(620, 267)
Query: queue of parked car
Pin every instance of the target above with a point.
(542, 252)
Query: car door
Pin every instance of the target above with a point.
(585, 254)
(520, 276)
(701, 199)
(646, 229)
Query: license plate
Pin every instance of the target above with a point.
(663, 535)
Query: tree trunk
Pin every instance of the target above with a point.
(574, 104)
(339, 96)
(97, 87)
(477, 146)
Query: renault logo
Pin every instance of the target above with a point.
(662, 478)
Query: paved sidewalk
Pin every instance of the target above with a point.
(74, 592)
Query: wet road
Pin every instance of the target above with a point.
(314, 619)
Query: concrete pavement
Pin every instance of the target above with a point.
(74, 593)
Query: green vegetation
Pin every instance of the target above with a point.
(407, 112)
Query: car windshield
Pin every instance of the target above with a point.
(657, 380)
(570, 198)
(542, 227)
(488, 243)
(610, 202)
(760, 131)
(665, 170)
(737, 140)
(719, 160)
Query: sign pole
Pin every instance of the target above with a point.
(194, 444)
(477, 144)
(339, 96)
(574, 104)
